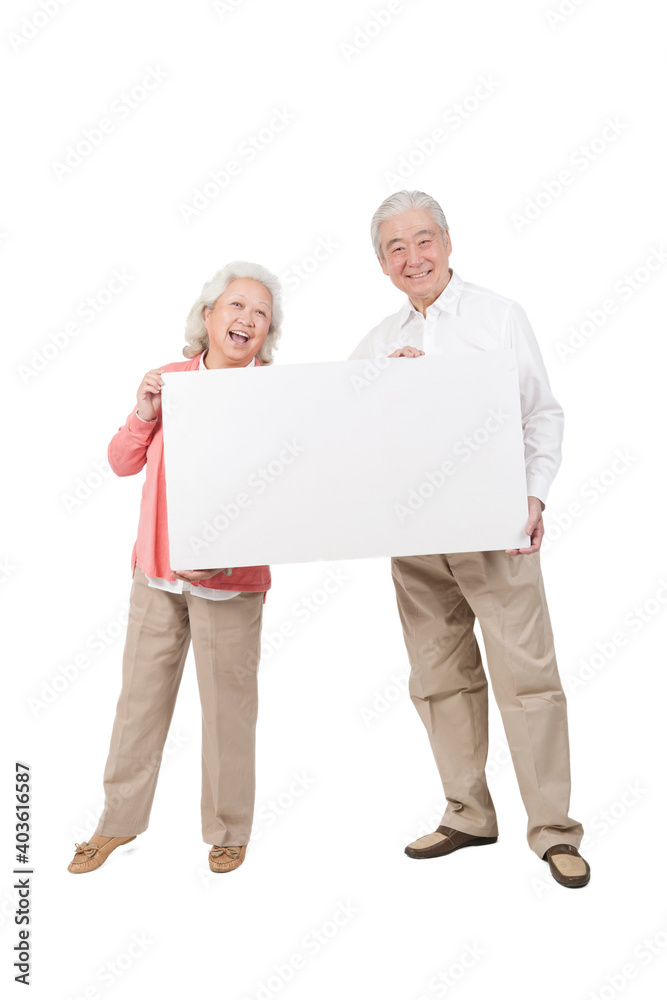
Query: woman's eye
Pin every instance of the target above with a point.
(261, 312)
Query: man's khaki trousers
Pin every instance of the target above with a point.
(226, 641)
(439, 597)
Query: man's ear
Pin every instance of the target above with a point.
(382, 264)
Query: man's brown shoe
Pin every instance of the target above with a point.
(445, 840)
(91, 854)
(567, 865)
(225, 859)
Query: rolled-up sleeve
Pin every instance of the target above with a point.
(128, 447)
(541, 414)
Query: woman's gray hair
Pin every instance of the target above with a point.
(404, 201)
(196, 335)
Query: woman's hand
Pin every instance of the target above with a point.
(195, 575)
(406, 352)
(148, 394)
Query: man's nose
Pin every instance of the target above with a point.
(414, 256)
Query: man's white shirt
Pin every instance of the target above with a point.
(467, 318)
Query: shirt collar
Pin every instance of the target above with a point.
(447, 301)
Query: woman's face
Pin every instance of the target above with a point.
(238, 323)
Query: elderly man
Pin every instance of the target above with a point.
(439, 596)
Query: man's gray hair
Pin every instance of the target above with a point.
(404, 201)
(195, 329)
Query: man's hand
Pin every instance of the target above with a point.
(195, 575)
(534, 528)
(406, 352)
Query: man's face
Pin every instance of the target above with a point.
(415, 255)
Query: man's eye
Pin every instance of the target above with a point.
(397, 249)
(425, 241)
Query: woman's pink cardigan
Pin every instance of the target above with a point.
(136, 444)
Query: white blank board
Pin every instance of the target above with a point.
(344, 460)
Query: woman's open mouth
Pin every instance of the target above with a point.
(239, 337)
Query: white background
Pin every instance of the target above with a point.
(331, 707)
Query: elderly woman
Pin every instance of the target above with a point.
(234, 323)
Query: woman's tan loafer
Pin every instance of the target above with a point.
(225, 859)
(91, 854)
